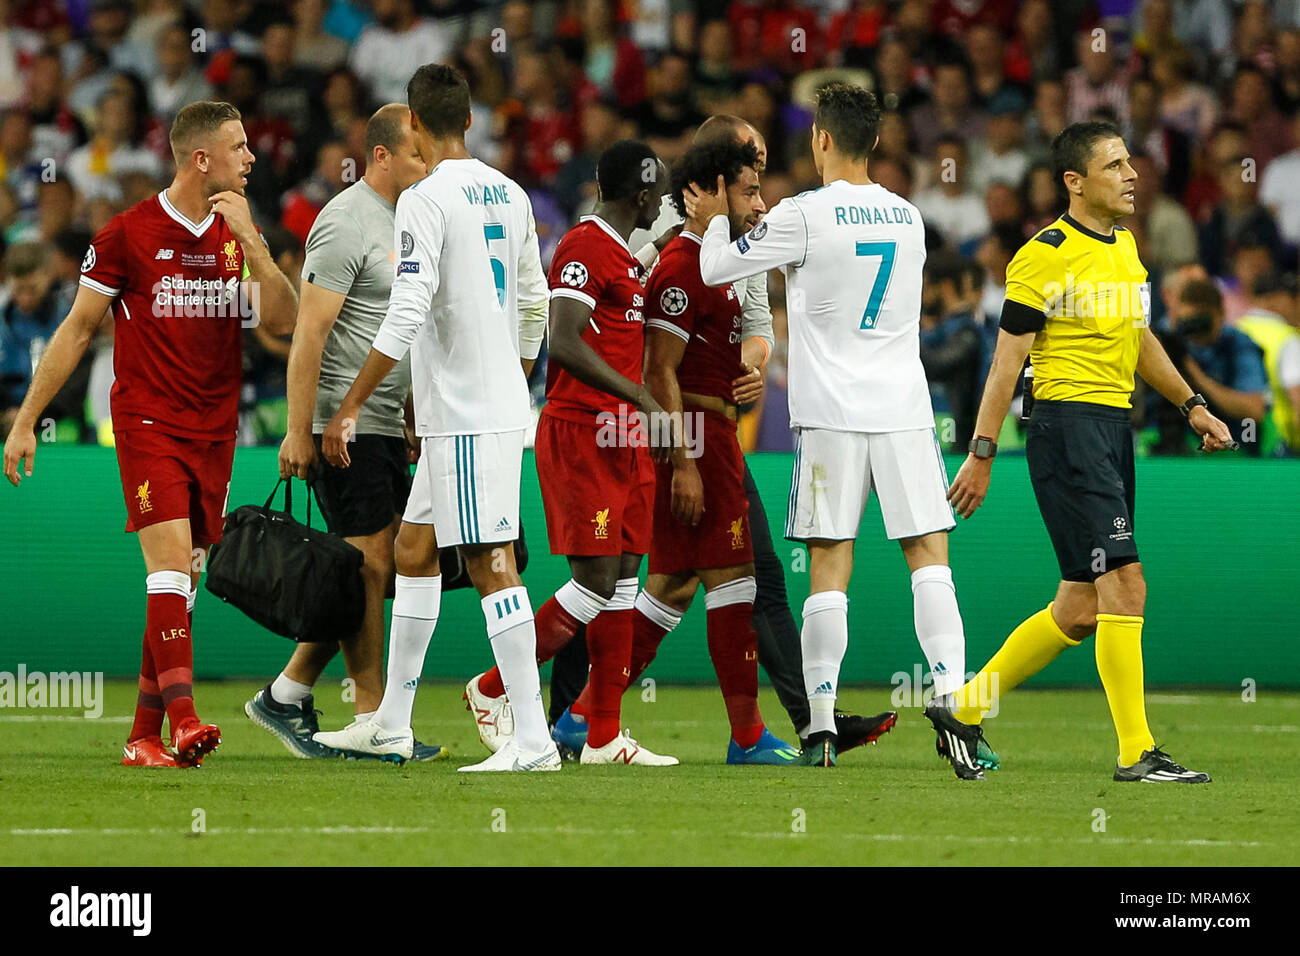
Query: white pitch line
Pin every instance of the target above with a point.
(627, 831)
(60, 718)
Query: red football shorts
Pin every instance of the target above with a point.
(597, 500)
(165, 477)
(722, 538)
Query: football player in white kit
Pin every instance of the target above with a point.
(852, 253)
(469, 299)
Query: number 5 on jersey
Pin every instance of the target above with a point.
(496, 230)
(881, 285)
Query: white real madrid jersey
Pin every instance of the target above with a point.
(852, 256)
(468, 299)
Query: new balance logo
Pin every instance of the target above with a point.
(824, 688)
(165, 254)
(626, 757)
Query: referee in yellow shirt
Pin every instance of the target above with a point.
(1077, 304)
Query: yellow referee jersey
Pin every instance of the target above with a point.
(1087, 297)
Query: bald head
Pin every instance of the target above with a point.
(725, 127)
(387, 128)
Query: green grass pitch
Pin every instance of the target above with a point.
(68, 802)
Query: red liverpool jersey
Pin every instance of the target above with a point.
(708, 319)
(178, 317)
(593, 264)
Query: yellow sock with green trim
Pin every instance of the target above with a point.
(1030, 647)
(1119, 663)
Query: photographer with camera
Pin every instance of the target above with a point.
(1220, 362)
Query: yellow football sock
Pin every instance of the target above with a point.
(1031, 647)
(1119, 664)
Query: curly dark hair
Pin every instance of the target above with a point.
(703, 165)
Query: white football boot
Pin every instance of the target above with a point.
(493, 716)
(511, 759)
(624, 750)
(367, 738)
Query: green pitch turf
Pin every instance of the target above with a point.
(68, 802)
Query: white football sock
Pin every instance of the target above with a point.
(189, 601)
(509, 617)
(416, 602)
(824, 639)
(657, 611)
(939, 627)
(286, 690)
(583, 605)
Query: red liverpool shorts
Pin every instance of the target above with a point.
(165, 477)
(722, 537)
(597, 500)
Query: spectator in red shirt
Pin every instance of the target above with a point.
(303, 203)
(855, 32)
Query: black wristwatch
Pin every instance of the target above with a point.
(982, 447)
(1187, 406)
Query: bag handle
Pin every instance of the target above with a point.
(288, 497)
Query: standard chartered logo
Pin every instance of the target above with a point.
(178, 297)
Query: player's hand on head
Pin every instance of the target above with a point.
(748, 388)
(233, 208)
(687, 494)
(970, 486)
(19, 446)
(702, 206)
(297, 455)
(334, 440)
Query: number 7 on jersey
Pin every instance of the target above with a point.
(878, 288)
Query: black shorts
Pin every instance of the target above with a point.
(1081, 464)
(362, 499)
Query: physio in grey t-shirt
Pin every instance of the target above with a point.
(350, 251)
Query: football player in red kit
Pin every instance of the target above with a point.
(593, 466)
(183, 272)
(701, 511)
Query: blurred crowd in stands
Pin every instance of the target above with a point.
(1206, 92)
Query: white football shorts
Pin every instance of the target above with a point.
(835, 472)
(467, 487)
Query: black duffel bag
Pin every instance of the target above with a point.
(298, 581)
(456, 575)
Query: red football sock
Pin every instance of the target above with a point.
(609, 645)
(582, 706)
(148, 703)
(555, 628)
(167, 628)
(646, 638)
(733, 646)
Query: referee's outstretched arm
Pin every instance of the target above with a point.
(1159, 372)
(972, 482)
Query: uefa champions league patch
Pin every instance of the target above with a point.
(574, 274)
(673, 301)
(88, 262)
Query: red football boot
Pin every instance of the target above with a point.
(147, 752)
(194, 741)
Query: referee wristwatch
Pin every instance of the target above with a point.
(982, 447)
(1187, 406)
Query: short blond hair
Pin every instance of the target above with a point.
(198, 120)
